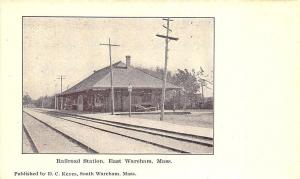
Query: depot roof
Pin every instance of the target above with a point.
(123, 75)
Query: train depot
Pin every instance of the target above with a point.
(94, 92)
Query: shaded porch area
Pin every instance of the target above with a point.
(99, 100)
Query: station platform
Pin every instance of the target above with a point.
(192, 130)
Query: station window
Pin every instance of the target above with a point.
(99, 99)
(146, 96)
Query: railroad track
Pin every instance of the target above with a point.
(203, 140)
(31, 145)
(173, 141)
(38, 143)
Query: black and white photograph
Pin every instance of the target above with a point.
(149, 89)
(112, 85)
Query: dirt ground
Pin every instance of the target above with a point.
(201, 119)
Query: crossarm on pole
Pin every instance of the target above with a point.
(167, 37)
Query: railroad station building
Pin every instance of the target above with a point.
(94, 92)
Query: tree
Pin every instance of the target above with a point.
(27, 99)
(206, 81)
(45, 101)
(157, 72)
(187, 80)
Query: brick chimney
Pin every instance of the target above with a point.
(127, 60)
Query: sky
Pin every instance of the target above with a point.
(55, 46)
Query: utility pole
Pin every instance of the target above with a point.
(111, 75)
(167, 39)
(55, 97)
(203, 83)
(202, 91)
(43, 102)
(55, 102)
(61, 81)
(129, 90)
